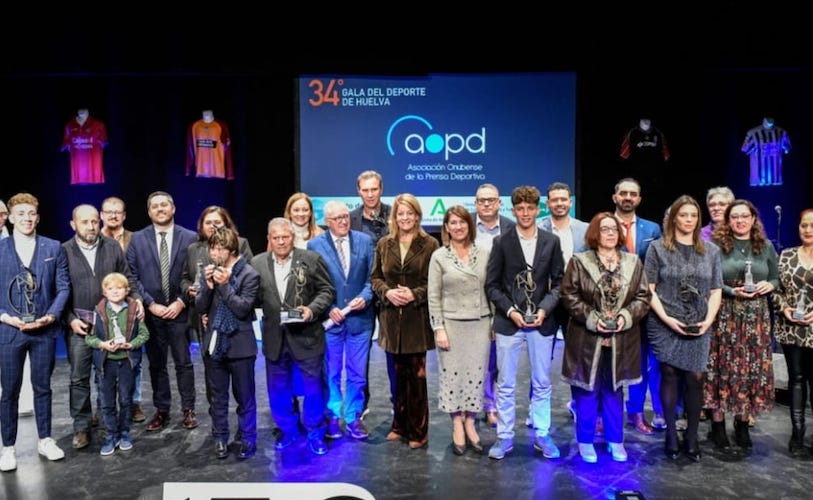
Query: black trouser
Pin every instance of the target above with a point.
(800, 381)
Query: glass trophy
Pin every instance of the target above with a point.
(799, 313)
(749, 285)
(198, 283)
(693, 307)
(118, 337)
(609, 312)
(26, 285)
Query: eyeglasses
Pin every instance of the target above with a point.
(487, 201)
(740, 217)
(608, 230)
(112, 212)
(339, 218)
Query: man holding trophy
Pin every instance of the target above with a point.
(34, 272)
(524, 273)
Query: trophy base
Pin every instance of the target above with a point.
(294, 314)
(798, 315)
(28, 318)
(749, 288)
(529, 318)
(610, 325)
(691, 328)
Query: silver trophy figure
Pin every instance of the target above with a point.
(198, 283)
(749, 285)
(525, 282)
(799, 313)
(118, 337)
(26, 285)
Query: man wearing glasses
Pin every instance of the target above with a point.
(489, 223)
(349, 258)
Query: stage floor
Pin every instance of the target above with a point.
(390, 470)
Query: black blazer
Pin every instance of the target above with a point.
(507, 261)
(306, 340)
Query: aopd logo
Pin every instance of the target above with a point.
(450, 143)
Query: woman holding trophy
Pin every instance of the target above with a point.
(606, 293)
(685, 277)
(794, 306)
(739, 379)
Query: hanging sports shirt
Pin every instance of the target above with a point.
(646, 146)
(208, 150)
(765, 146)
(85, 142)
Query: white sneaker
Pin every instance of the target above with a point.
(48, 448)
(8, 459)
(618, 451)
(588, 453)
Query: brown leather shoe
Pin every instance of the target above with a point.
(159, 420)
(137, 413)
(638, 421)
(80, 439)
(394, 436)
(190, 421)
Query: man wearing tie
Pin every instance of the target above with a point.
(638, 234)
(349, 258)
(156, 255)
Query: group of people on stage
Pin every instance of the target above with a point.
(684, 311)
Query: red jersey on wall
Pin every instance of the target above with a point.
(85, 142)
(208, 150)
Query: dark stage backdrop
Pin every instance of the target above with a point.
(703, 113)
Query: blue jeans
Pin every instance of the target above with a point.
(117, 380)
(349, 351)
(509, 348)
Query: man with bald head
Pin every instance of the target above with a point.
(91, 257)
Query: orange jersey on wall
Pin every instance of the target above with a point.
(208, 149)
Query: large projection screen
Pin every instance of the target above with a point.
(438, 136)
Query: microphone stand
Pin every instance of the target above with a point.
(778, 232)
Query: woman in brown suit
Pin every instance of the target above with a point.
(400, 277)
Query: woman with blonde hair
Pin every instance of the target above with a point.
(400, 279)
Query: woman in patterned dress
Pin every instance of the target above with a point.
(461, 319)
(739, 379)
(795, 333)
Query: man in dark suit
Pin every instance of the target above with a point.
(525, 270)
(349, 258)
(372, 217)
(36, 287)
(638, 234)
(91, 257)
(296, 292)
(489, 224)
(166, 310)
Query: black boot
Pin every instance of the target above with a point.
(718, 436)
(742, 435)
(796, 445)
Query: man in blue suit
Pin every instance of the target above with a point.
(166, 309)
(349, 258)
(36, 287)
(639, 233)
